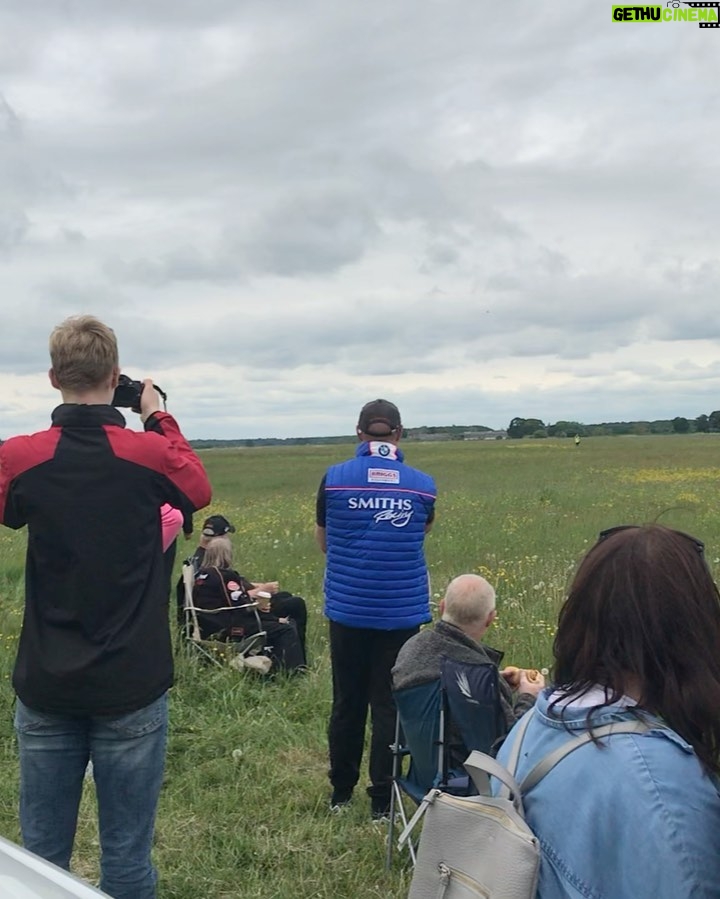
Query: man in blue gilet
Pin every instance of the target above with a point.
(373, 512)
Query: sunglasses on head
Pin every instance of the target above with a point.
(608, 532)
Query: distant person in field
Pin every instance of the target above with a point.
(219, 586)
(467, 611)
(632, 815)
(373, 513)
(283, 604)
(95, 662)
(577, 440)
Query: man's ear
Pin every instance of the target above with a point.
(53, 379)
(491, 617)
(115, 377)
(441, 607)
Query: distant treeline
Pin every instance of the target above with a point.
(446, 432)
(534, 427)
(518, 428)
(269, 441)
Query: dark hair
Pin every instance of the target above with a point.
(643, 614)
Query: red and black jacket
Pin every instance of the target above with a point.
(95, 637)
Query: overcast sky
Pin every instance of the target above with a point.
(284, 209)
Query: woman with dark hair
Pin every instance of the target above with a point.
(218, 586)
(631, 815)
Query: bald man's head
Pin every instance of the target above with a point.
(469, 604)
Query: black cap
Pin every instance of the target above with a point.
(216, 526)
(379, 418)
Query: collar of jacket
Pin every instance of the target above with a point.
(576, 718)
(381, 449)
(446, 629)
(83, 415)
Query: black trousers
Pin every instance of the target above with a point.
(362, 661)
(285, 645)
(286, 605)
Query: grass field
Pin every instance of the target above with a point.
(243, 811)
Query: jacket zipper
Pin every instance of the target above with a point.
(447, 875)
(501, 816)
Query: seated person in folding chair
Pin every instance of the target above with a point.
(467, 611)
(282, 603)
(217, 586)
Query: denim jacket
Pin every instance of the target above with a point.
(635, 818)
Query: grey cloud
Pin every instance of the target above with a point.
(72, 235)
(311, 234)
(10, 126)
(13, 228)
(337, 191)
(183, 264)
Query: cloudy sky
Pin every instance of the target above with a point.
(284, 208)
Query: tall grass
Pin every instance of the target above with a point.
(244, 807)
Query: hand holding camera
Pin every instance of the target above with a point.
(142, 397)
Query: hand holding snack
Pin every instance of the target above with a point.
(531, 681)
(511, 675)
(524, 680)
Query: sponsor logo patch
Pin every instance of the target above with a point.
(383, 476)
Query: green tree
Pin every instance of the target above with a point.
(680, 425)
(516, 428)
(702, 424)
(522, 427)
(714, 421)
(534, 424)
(566, 429)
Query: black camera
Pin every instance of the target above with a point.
(127, 393)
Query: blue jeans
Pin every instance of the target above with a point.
(128, 756)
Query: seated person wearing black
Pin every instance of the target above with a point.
(218, 586)
(282, 603)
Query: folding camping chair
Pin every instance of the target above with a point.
(243, 649)
(438, 724)
(419, 735)
(472, 711)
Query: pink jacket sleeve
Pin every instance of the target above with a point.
(171, 520)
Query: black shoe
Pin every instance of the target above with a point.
(340, 800)
(379, 809)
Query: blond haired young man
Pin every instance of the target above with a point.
(94, 660)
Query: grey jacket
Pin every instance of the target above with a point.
(419, 662)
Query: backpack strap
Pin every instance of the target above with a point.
(481, 767)
(548, 762)
(514, 756)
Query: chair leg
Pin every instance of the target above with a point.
(394, 794)
(391, 830)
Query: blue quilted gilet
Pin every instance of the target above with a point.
(376, 512)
